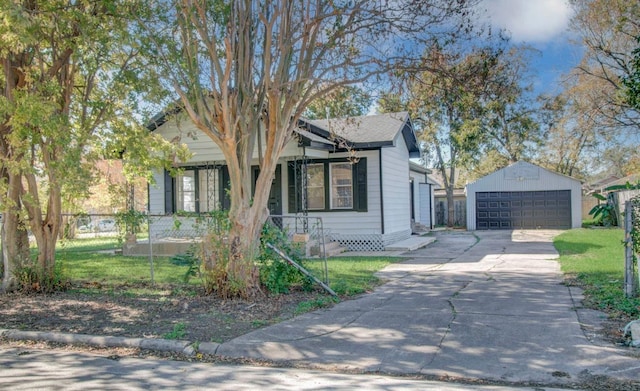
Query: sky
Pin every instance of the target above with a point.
(542, 24)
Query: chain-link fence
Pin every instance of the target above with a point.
(140, 248)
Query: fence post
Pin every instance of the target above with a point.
(629, 280)
(151, 271)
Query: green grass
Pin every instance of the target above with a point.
(596, 258)
(88, 244)
(351, 275)
(112, 269)
(88, 260)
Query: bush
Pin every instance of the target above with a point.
(276, 274)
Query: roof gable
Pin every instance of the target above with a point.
(371, 131)
(520, 171)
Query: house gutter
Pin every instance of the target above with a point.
(381, 191)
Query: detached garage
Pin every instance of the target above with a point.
(524, 196)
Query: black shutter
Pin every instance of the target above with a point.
(169, 204)
(360, 188)
(293, 184)
(225, 185)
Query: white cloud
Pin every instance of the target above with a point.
(533, 21)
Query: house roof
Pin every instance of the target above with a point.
(418, 168)
(601, 185)
(371, 131)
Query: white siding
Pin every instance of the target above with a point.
(395, 187)
(205, 150)
(426, 204)
(421, 198)
(523, 176)
(349, 222)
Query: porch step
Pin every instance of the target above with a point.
(314, 248)
(418, 228)
(333, 248)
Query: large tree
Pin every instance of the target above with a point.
(347, 101)
(445, 102)
(246, 70)
(608, 31)
(509, 108)
(67, 87)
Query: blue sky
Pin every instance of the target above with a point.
(542, 24)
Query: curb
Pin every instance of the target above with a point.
(163, 345)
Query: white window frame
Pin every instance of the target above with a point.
(186, 199)
(321, 186)
(333, 194)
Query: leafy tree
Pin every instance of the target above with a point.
(347, 101)
(509, 112)
(632, 80)
(608, 30)
(445, 104)
(68, 86)
(245, 71)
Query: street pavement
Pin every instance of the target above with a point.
(470, 307)
(22, 369)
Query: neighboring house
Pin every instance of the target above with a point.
(354, 173)
(524, 196)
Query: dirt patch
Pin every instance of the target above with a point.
(177, 316)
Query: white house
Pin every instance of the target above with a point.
(524, 196)
(368, 195)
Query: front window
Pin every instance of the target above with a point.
(186, 191)
(341, 179)
(315, 187)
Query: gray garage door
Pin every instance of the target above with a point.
(523, 209)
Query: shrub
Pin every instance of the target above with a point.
(276, 274)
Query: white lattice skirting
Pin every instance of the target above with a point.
(369, 242)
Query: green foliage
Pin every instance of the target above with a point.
(351, 275)
(276, 274)
(595, 257)
(635, 229)
(130, 222)
(631, 81)
(190, 261)
(179, 331)
(314, 304)
(347, 101)
(32, 279)
(604, 213)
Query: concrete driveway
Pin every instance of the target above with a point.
(482, 305)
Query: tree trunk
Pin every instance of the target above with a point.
(15, 239)
(451, 211)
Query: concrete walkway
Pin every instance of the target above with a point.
(487, 305)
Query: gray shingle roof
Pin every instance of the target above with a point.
(365, 129)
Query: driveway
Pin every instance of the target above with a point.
(483, 305)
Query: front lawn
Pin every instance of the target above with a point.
(92, 260)
(594, 259)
